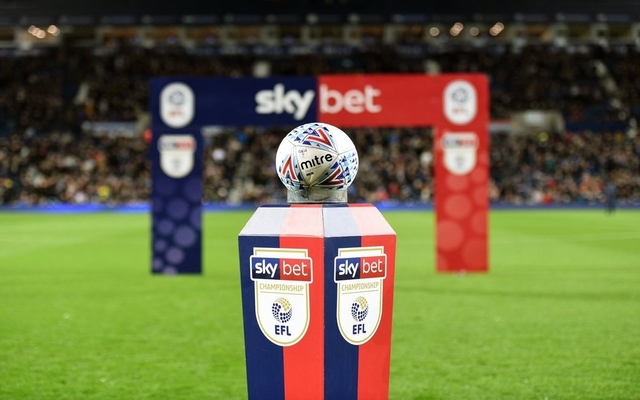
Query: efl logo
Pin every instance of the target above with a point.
(177, 105)
(460, 102)
(281, 279)
(359, 273)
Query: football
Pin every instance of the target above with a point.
(316, 155)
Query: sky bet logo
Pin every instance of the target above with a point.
(361, 267)
(353, 101)
(291, 269)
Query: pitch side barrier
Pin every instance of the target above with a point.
(222, 207)
(455, 105)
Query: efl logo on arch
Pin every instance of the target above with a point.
(177, 105)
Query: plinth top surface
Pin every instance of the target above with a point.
(317, 220)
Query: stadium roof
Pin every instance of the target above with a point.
(118, 12)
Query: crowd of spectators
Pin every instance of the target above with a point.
(47, 96)
(61, 87)
(58, 167)
(565, 168)
(396, 165)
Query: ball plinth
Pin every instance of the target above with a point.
(317, 195)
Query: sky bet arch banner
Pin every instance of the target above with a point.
(456, 105)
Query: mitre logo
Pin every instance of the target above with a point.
(281, 279)
(318, 160)
(359, 273)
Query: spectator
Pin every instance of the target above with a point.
(46, 96)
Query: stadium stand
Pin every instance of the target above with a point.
(72, 117)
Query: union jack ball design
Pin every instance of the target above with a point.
(317, 155)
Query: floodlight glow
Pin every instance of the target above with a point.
(54, 30)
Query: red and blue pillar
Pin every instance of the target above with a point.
(317, 295)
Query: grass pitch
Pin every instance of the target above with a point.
(557, 317)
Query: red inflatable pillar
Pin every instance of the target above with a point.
(461, 145)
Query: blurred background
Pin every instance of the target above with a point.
(74, 82)
(82, 317)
